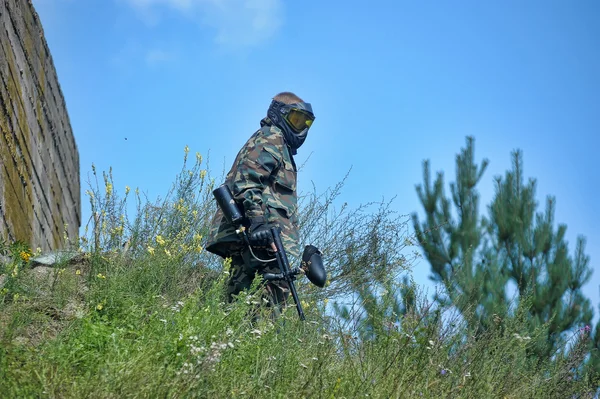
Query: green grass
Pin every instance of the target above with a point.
(148, 319)
(138, 334)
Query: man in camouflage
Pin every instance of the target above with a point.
(262, 180)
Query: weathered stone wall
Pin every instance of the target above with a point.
(39, 161)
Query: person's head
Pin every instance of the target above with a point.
(293, 116)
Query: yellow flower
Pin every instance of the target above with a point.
(109, 188)
(160, 240)
(99, 306)
(127, 189)
(202, 174)
(186, 149)
(151, 250)
(100, 275)
(168, 253)
(78, 272)
(198, 157)
(25, 255)
(16, 297)
(197, 237)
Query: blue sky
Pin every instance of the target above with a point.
(391, 82)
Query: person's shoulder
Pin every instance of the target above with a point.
(269, 137)
(272, 133)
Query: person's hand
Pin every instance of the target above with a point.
(259, 232)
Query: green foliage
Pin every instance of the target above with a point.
(174, 225)
(145, 345)
(18, 254)
(477, 258)
(128, 321)
(16, 250)
(365, 246)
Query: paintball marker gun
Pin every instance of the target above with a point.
(312, 265)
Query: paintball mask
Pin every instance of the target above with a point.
(293, 119)
(312, 264)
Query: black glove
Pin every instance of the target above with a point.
(259, 232)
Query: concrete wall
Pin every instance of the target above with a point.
(39, 161)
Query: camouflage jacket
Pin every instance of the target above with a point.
(263, 182)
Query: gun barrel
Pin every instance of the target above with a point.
(284, 266)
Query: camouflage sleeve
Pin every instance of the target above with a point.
(253, 173)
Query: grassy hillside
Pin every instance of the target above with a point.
(140, 313)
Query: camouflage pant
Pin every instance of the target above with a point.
(244, 269)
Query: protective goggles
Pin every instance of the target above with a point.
(299, 119)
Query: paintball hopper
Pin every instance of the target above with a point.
(312, 264)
